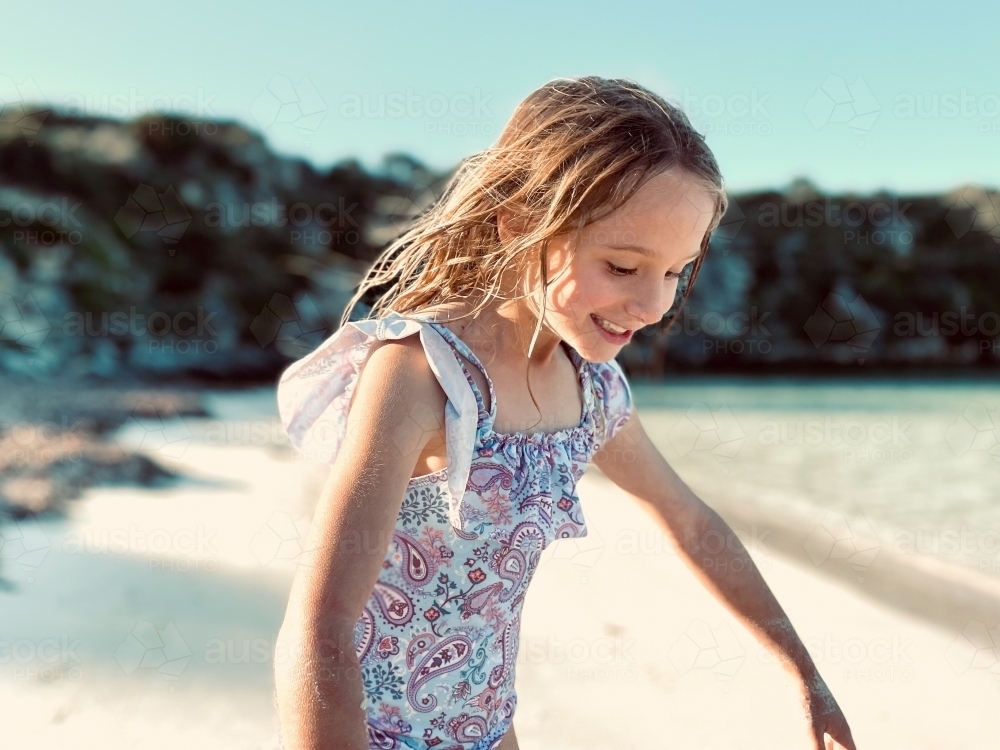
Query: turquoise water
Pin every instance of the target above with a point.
(817, 393)
(918, 460)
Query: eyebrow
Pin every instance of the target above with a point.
(646, 251)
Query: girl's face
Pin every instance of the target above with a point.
(624, 268)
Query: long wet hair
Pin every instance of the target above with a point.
(574, 150)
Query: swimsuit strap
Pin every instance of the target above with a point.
(460, 347)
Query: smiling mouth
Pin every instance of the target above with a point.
(610, 327)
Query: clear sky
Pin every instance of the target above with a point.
(852, 95)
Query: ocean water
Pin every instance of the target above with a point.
(914, 461)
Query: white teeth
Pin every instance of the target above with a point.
(609, 326)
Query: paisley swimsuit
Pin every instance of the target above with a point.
(438, 638)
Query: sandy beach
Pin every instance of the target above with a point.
(146, 617)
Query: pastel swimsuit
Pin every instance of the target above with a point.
(438, 638)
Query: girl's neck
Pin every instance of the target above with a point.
(514, 323)
(502, 330)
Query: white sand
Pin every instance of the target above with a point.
(99, 687)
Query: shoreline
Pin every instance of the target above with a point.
(948, 594)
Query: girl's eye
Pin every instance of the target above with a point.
(619, 271)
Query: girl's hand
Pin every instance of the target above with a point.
(826, 721)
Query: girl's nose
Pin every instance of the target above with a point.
(642, 314)
(650, 304)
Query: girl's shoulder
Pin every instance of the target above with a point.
(314, 393)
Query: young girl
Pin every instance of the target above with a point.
(456, 456)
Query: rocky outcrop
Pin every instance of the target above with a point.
(162, 247)
(167, 248)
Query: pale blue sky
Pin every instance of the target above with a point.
(844, 92)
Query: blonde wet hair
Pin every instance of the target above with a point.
(574, 150)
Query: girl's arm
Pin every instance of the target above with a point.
(632, 462)
(318, 687)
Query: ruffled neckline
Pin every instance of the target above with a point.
(583, 428)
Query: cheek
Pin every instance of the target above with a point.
(671, 294)
(582, 293)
